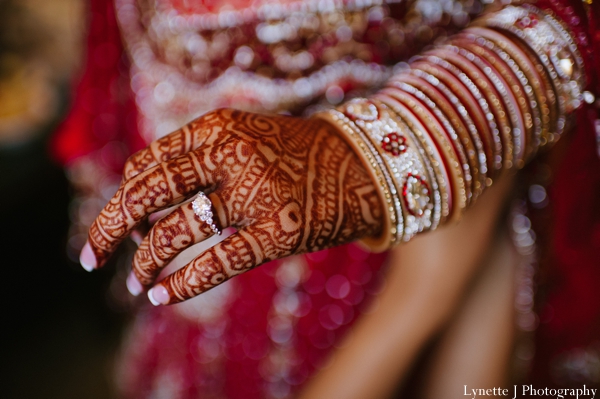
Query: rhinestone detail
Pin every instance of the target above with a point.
(203, 209)
(415, 192)
(394, 143)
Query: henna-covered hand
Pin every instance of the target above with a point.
(288, 185)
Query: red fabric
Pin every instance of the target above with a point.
(570, 312)
(338, 286)
(102, 109)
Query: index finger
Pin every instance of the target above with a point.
(181, 141)
(161, 186)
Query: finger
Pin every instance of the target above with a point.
(240, 252)
(169, 237)
(182, 141)
(164, 185)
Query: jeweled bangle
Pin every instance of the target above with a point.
(445, 147)
(509, 74)
(478, 107)
(448, 114)
(431, 153)
(554, 47)
(530, 75)
(473, 139)
(502, 101)
(411, 170)
(482, 129)
(370, 158)
(511, 131)
(443, 129)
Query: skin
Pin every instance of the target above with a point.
(288, 185)
(432, 286)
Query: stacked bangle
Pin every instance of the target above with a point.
(444, 127)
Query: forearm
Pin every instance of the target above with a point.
(460, 115)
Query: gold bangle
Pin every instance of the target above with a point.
(402, 155)
(443, 143)
(373, 164)
(430, 153)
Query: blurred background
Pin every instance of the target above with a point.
(59, 333)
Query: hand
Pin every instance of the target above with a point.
(288, 185)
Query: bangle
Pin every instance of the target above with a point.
(471, 108)
(492, 106)
(430, 153)
(444, 110)
(513, 102)
(471, 140)
(447, 138)
(371, 160)
(449, 158)
(478, 106)
(553, 46)
(411, 170)
(522, 65)
(530, 100)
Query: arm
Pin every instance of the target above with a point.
(418, 168)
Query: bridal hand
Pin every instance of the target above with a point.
(287, 185)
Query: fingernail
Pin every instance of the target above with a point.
(137, 237)
(158, 295)
(87, 257)
(133, 285)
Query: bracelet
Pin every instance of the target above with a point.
(514, 102)
(527, 71)
(448, 158)
(445, 112)
(371, 160)
(446, 137)
(430, 153)
(554, 47)
(471, 140)
(511, 131)
(471, 108)
(510, 75)
(411, 169)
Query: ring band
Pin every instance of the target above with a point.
(202, 207)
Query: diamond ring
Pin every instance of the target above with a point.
(203, 209)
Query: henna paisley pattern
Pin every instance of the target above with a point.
(288, 186)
